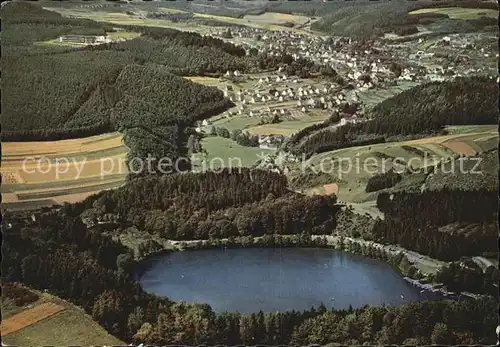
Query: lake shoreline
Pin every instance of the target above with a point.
(419, 278)
(279, 279)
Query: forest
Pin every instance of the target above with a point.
(419, 111)
(382, 180)
(444, 224)
(429, 107)
(213, 205)
(59, 253)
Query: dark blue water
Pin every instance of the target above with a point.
(268, 279)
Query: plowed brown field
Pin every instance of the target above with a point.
(460, 148)
(29, 317)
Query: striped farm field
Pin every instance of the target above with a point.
(29, 317)
(466, 143)
(461, 148)
(49, 321)
(277, 18)
(459, 12)
(351, 182)
(61, 171)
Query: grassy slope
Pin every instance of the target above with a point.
(72, 327)
(229, 152)
(352, 184)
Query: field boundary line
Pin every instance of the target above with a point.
(30, 317)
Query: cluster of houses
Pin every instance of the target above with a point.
(452, 56)
(354, 59)
(270, 141)
(363, 65)
(275, 96)
(350, 58)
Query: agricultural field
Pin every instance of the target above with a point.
(351, 178)
(465, 129)
(139, 18)
(50, 172)
(56, 42)
(278, 19)
(371, 97)
(123, 34)
(121, 18)
(50, 321)
(484, 139)
(326, 189)
(289, 127)
(29, 317)
(459, 12)
(222, 152)
(267, 21)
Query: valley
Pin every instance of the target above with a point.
(156, 154)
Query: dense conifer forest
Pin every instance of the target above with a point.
(417, 221)
(213, 205)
